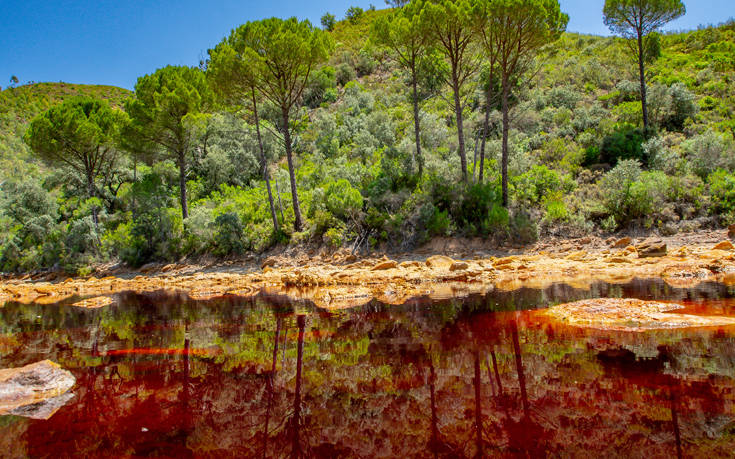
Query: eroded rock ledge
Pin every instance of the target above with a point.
(625, 314)
(344, 281)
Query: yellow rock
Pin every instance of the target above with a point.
(439, 261)
(724, 245)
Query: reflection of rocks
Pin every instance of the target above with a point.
(36, 390)
(43, 409)
(631, 315)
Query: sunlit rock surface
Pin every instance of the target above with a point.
(626, 314)
(341, 280)
(36, 391)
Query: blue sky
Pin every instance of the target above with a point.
(115, 41)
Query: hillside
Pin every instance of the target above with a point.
(19, 105)
(580, 163)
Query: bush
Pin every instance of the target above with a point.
(623, 145)
(344, 74)
(342, 199)
(533, 186)
(722, 188)
(228, 236)
(353, 14)
(708, 152)
(615, 188)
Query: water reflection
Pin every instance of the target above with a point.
(161, 375)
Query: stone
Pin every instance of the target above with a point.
(458, 266)
(439, 261)
(731, 231)
(383, 265)
(724, 245)
(651, 249)
(269, 262)
(576, 256)
(34, 384)
(623, 242)
(627, 314)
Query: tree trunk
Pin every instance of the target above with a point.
(506, 128)
(264, 161)
(478, 406)
(460, 125)
(182, 185)
(289, 156)
(485, 129)
(416, 126)
(92, 194)
(642, 71)
(296, 420)
(519, 367)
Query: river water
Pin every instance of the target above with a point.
(485, 376)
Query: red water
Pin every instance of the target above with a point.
(158, 376)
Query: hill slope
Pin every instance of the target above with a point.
(19, 105)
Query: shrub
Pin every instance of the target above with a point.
(342, 199)
(708, 152)
(534, 185)
(623, 145)
(344, 73)
(353, 14)
(722, 188)
(228, 236)
(615, 188)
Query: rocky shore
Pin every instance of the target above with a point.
(342, 280)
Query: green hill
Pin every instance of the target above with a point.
(579, 160)
(19, 105)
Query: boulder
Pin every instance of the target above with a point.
(620, 243)
(650, 249)
(458, 266)
(269, 262)
(383, 265)
(439, 261)
(34, 390)
(724, 245)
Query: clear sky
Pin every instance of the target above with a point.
(115, 41)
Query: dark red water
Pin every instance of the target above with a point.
(165, 376)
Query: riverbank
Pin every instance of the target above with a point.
(341, 280)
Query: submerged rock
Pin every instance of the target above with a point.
(36, 390)
(627, 314)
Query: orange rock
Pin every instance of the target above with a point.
(724, 245)
(623, 242)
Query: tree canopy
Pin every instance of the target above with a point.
(288, 51)
(512, 32)
(165, 114)
(636, 20)
(82, 134)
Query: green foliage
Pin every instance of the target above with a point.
(622, 145)
(353, 14)
(722, 187)
(80, 133)
(328, 21)
(342, 200)
(228, 236)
